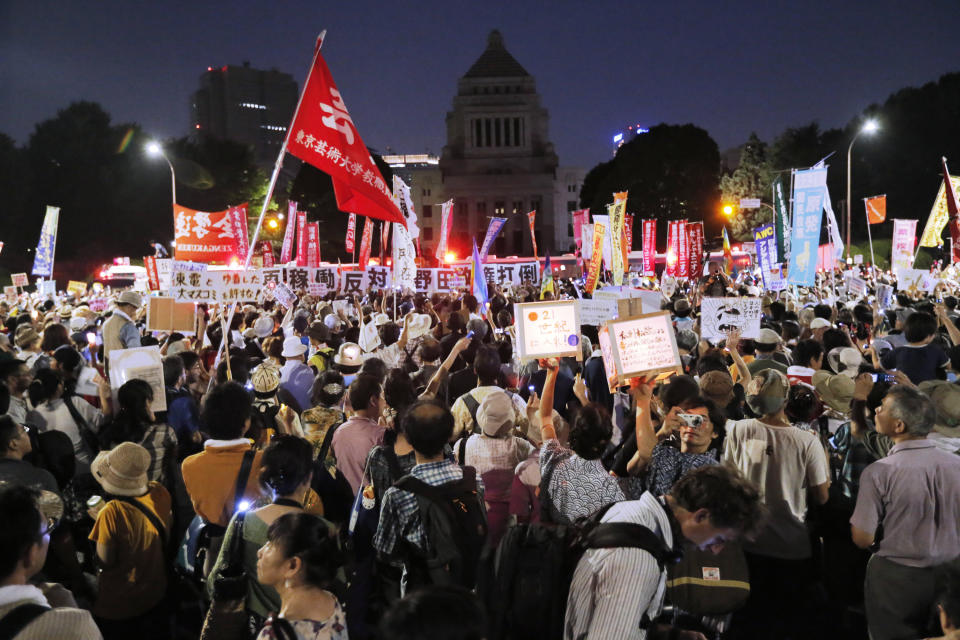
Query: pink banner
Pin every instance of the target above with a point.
(649, 248)
(628, 232)
(826, 257)
(365, 241)
(695, 234)
(313, 244)
(579, 218)
(238, 218)
(301, 238)
(683, 250)
(266, 251)
(350, 243)
(287, 250)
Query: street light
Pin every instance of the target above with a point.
(154, 149)
(728, 210)
(869, 127)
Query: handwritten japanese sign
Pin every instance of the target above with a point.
(548, 329)
(720, 315)
(19, 279)
(644, 345)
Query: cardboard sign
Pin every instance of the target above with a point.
(47, 287)
(284, 295)
(720, 315)
(644, 345)
(19, 279)
(11, 293)
(919, 279)
(76, 287)
(141, 363)
(168, 315)
(548, 329)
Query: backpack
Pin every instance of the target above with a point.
(454, 521)
(526, 581)
(708, 584)
(472, 407)
(262, 418)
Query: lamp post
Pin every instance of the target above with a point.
(153, 148)
(870, 126)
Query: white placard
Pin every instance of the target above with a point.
(720, 315)
(858, 258)
(644, 345)
(548, 329)
(856, 287)
(606, 351)
(599, 309)
(920, 279)
(142, 363)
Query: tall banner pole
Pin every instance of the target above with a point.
(273, 183)
(873, 261)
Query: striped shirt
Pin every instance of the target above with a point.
(612, 589)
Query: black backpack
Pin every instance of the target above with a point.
(526, 581)
(454, 521)
(263, 417)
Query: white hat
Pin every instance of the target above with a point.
(820, 323)
(263, 326)
(494, 413)
(767, 336)
(418, 325)
(349, 355)
(292, 347)
(381, 319)
(78, 323)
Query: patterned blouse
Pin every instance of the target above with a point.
(668, 464)
(316, 423)
(576, 487)
(333, 628)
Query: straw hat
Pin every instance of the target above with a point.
(122, 471)
(265, 378)
(418, 325)
(26, 335)
(349, 355)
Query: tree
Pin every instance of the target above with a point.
(751, 179)
(671, 173)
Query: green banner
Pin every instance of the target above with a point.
(781, 220)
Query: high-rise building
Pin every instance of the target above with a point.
(498, 162)
(246, 105)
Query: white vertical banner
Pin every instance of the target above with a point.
(901, 250)
(404, 258)
(607, 241)
(401, 195)
(446, 210)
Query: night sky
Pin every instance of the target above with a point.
(729, 67)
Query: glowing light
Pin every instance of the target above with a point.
(449, 257)
(272, 223)
(870, 126)
(153, 148)
(728, 210)
(671, 257)
(234, 262)
(243, 505)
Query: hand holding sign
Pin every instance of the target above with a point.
(548, 329)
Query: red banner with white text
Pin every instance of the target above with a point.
(683, 250)
(365, 241)
(313, 244)
(323, 135)
(301, 238)
(153, 276)
(351, 233)
(211, 237)
(649, 248)
(286, 251)
(695, 235)
(266, 252)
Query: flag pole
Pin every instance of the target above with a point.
(866, 212)
(273, 183)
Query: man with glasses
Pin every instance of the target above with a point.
(14, 445)
(15, 376)
(29, 612)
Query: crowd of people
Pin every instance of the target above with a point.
(387, 467)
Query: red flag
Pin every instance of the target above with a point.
(628, 232)
(365, 243)
(313, 244)
(212, 237)
(953, 210)
(238, 217)
(683, 250)
(384, 239)
(301, 238)
(351, 233)
(266, 250)
(287, 249)
(695, 236)
(876, 209)
(649, 248)
(673, 247)
(153, 276)
(323, 135)
(531, 217)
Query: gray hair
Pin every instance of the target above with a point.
(913, 408)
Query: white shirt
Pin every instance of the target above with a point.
(783, 462)
(55, 416)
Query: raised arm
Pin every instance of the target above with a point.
(642, 391)
(733, 344)
(546, 400)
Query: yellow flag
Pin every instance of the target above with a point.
(939, 216)
(617, 212)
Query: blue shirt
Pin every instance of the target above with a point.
(297, 378)
(182, 413)
(919, 363)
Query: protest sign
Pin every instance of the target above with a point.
(809, 190)
(11, 293)
(644, 345)
(207, 236)
(775, 280)
(167, 315)
(884, 295)
(599, 309)
(98, 304)
(47, 287)
(284, 295)
(901, 249)
(856, 287)
(76, 287)
(547, 329)
(140, 363)
(720, 315)
(19, 279)
(194, 286)
(153, 276)
(606, 352)
(917, 279)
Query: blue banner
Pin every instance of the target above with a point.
(492, 230)
(43, 262)
(765, 242)
(809, 188)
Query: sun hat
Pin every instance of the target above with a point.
(292, 347)
(946, 398)
(845, 360)
(381, 319)
(265, 378)
(263, 326)
(131, 298)
(418, 325)
(26, 335)
(65, 312)
(836, 391)
(767, 392)
(78, 323)
(820, 323)
(494, 413)
(349, 355)
(122, 471)
(717, 386)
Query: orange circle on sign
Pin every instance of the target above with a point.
(533, 316)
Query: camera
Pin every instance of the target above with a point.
(692, 420)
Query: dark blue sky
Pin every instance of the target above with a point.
(729, 67)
